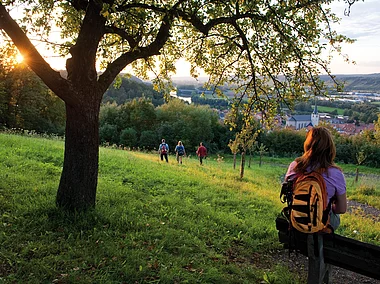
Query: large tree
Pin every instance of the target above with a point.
(269, 50)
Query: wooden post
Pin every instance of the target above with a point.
(242, 164)
(357, 174)
(318, 271)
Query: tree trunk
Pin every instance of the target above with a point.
(249, 160)
(234, 160)
(357, 174)
(77, 187)
(242, 164)
(261, 158)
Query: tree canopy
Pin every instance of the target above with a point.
(270, 51)
(265, 48)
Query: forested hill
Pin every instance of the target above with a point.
(131, 88)
(358, 82)
(352, 82)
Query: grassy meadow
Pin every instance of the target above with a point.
(154, 222)
(330, 109)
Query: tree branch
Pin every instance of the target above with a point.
(124, 35)
(81, 67)
(153, 48)
(34, 59)
(79, 5)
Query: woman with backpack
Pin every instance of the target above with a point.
(318, 157)
(180, 152)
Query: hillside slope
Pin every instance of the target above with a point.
(358, 83)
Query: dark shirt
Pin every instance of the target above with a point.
(202, 151)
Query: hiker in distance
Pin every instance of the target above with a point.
(201, 152)
(180, 152)
(163, 150)
(319, 154)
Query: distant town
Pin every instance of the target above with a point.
(339, 122)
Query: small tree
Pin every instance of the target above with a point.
(360, 158)
(261, 149)
(251, 150)
(234, 146)
(377, 130)
(245, 140)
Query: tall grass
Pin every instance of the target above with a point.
(153, 223)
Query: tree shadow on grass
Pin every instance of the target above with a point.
(53, 219)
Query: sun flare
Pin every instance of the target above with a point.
(19, 58)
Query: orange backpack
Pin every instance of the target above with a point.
(308, 208)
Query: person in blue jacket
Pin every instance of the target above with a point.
(163, 150)
(180, 152)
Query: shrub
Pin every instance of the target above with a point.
(128, 137)
(108, 133)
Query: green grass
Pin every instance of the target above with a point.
(153, 223)
(367, 189)
(330, 109)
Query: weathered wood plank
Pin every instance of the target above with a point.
(350, 254)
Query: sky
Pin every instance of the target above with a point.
(363, 25)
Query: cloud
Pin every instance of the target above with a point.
(370, 64)
(364, 19)
(363, 25)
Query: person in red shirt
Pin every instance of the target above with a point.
(201, 152)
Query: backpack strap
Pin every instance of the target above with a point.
(327, 212)
(286, 194)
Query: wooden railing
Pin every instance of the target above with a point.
(350, 254)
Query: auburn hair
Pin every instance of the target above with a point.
(319, 151)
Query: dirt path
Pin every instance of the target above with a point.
(354, 206)
(297, 263)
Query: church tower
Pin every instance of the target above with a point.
(315, 115)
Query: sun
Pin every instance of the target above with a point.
(19, 58)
